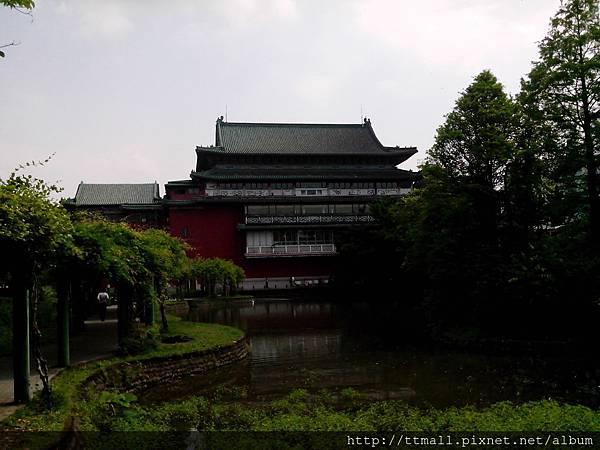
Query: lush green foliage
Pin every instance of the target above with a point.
(475, 145)
(34, 229)
(111, 250)
(67, 386)
(214, 272)
(165, 256)
(483, 241)
(505, 226)
(122, 254)
(140, 263)
(300, 411)
(343, 411)
(564, 90)
(27, 4)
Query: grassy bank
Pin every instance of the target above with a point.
(70, 409)
(284, 424)
(229, 408)
(300, 411)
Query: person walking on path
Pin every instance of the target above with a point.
(102, 304)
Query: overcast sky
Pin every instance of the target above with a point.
(124, 90)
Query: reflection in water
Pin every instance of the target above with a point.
(314, 346)
(289, 347)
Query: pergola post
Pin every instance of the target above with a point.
(20, 342)
(125, 292)
(62, 328)
(150, 310)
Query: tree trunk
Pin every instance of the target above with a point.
(149, 313)
(41, 363)
(20, 341)
(149, 309)
(592, 188)
(62, 325)
(163, 316)
(591, 168)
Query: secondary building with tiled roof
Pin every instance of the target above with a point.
(274, 197)
(136, 203)
(89, 194)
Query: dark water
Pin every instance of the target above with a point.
(316, 345)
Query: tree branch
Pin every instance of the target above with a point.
(2, 54)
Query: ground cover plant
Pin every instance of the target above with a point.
(303, 420)
(70, 409)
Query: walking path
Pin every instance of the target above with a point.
(97, 341)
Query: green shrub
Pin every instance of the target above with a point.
(140, 340)
(300, 412)
(47, 307)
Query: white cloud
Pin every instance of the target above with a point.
(465, 34)
(98, 18)
(115, 18)
(144, 85)
(316, 90)
(252, 13)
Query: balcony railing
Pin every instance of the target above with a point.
(291, 250)
(329, 218)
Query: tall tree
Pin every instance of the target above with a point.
(566, 80)
(475, 143)
(524, 188)
(167, 261)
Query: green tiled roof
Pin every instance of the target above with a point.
(117, 194)
(285, 138)
(305, 173)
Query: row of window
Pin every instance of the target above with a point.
(306, 210)
(302, 237)
(317, 185)
(182, 191)
(313, 188)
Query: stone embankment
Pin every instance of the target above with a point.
(136, 376)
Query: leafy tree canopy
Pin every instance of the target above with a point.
(27, 4)
(564, 85)
(475, 141)
(165, 255)
(34, 229)
(213, 271)
(111, 250)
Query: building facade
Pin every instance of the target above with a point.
(273, 198)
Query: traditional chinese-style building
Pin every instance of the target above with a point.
(274, 197)
(138, 204)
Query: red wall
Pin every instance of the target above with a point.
(212, 230)
(213, 233)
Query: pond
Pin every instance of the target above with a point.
(316, 345)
